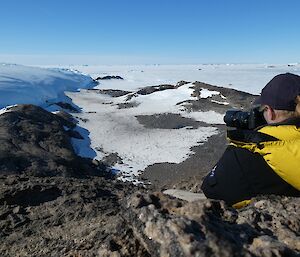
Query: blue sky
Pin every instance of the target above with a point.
(151, 31)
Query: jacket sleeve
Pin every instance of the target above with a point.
(227, 181)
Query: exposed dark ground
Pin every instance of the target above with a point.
(188, 174)
(169, 121)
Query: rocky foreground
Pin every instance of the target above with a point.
(100, 217)
(53, 203)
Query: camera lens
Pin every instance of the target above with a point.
(237, 118)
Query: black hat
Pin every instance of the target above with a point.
(281, 92)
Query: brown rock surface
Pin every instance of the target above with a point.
(162, 226)
(35, 142)
(57, 216)
(102, 217)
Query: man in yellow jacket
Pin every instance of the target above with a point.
(265, 160)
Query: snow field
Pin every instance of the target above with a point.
(117, 130)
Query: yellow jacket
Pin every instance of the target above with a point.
(282, 155)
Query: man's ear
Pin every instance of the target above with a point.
(273, 115)
(269, 114)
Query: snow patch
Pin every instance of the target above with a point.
(82, 147)
(205, 93)
(210, 117)
(6, 109)
(218, 102)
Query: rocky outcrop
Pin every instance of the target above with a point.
(168, 121)
(161, 226)
(95, 216)
(36, 142)
(152, 89)
(234, 98)
(110, 92)
(109, 78)
(181, 83)
(56, 216)
(67, 106)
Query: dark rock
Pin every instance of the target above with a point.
(168, 121)
(127, 105)
(31, 196)
(35, 142)
(181, 83)
(147, 90)
(67, 106)
(111, 92)
(205, 105)
(58, 216)
(112, 159)
(162, 226)
(109, 77)
(130, 96)
(235, 98)
(67, 119)
(82, 119)
(152, 89)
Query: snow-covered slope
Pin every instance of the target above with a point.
(22, 84)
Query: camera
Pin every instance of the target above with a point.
(244, 119)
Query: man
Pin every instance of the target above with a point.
(265, 160)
